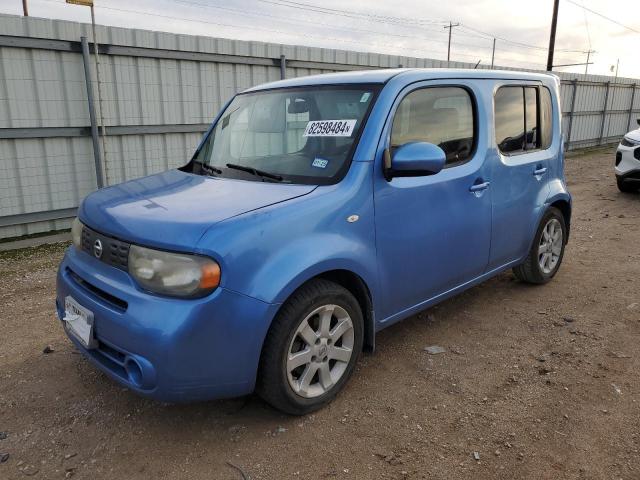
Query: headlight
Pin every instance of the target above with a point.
(76, 232)
(173, 274)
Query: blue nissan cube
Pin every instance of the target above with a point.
(315, 212)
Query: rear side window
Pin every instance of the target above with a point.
(523, 119)
(546, 118)
(443, 116)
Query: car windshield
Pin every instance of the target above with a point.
(302, 135)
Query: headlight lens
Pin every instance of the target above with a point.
(76, 232)
(173, 274)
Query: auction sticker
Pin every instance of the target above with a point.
(329, 128)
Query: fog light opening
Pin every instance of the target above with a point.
(134, 372)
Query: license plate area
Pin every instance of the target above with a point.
(78, 321)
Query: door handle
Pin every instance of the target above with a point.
(540, 171)
(478, 187)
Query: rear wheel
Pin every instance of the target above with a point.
(311, 348)
(547, 251)
(626, 187)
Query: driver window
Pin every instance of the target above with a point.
(440, 115)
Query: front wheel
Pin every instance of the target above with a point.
(547, 251)
(311, 348)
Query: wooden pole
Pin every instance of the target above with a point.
(552, 36)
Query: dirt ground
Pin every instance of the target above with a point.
(536, 382)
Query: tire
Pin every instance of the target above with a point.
(308, 387)
(626, 187)
(531, 270)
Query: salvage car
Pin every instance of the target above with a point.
(315, 212)
(628, 162)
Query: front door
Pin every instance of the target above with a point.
(433, 232)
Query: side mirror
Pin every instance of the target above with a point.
(415, 159)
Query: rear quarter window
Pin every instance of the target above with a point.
(546, 118)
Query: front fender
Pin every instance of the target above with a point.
(305, 259)
(268, 253)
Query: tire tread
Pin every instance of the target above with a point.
(529, 271)
(268, 384)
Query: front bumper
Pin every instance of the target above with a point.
(627, 161)
(173, 350)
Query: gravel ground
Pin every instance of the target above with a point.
(536, 382)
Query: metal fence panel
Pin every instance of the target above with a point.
(158, 93)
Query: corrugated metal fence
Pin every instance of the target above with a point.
(158, 93)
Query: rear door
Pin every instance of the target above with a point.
(522, 124)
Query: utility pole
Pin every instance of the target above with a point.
(552, 36)
(493, 52)
(25, 10)
(586, 66)
(450, 27)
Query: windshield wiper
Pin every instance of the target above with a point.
(255, 171)
(209, 169)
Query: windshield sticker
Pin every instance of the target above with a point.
(319, 163)
(329, 128)
(365, 96)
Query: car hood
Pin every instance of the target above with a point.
(634, 135)
(174, 209)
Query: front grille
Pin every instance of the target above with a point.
(112, 300)
(114, 252)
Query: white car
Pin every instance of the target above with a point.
(628, 162)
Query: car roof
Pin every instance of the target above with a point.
(411, 74)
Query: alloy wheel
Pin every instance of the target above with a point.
(320, 351)
(550, 247)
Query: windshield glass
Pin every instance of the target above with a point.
(302, 135)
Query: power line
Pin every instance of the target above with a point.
(603, 16)
(253, 27)
(395, 20)
(422, 53)
(312, 22)
(519, 44)
(453, 43)
(420, 24)
(352, 13)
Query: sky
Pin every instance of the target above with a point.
(399, 27)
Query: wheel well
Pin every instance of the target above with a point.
(565, 209)
(360, 291)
